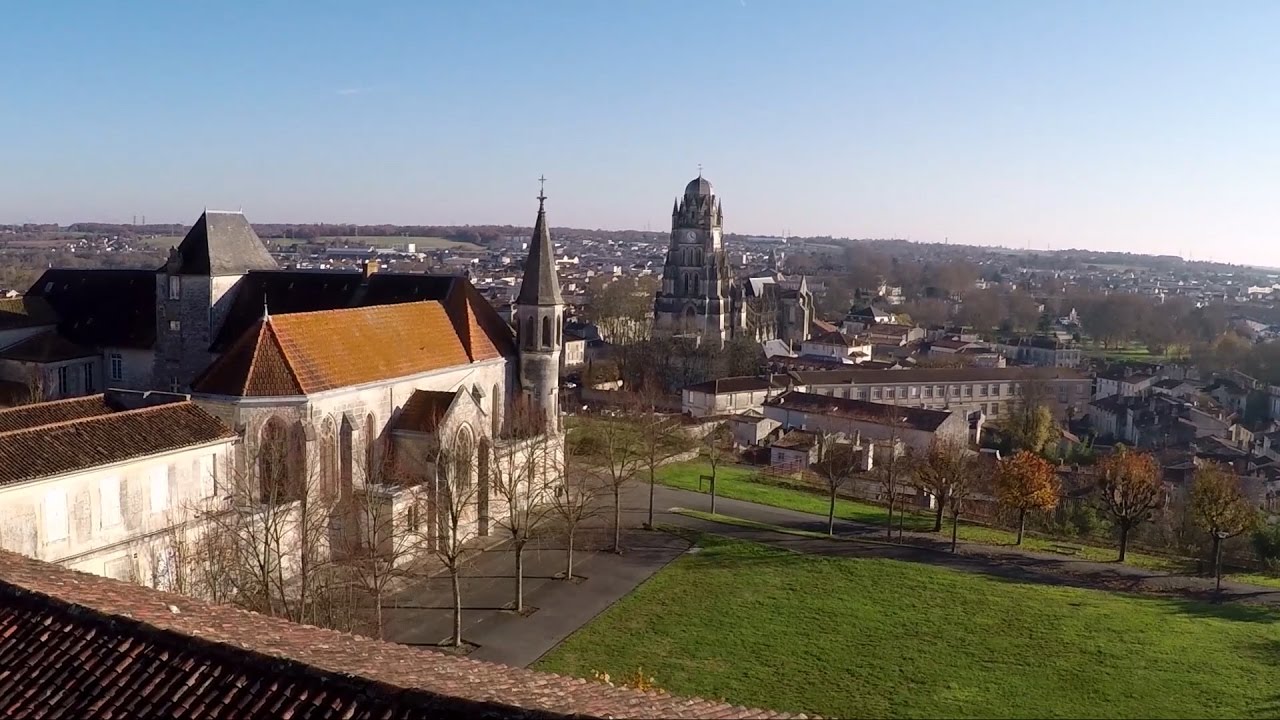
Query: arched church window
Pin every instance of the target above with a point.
(688, 284)
(546, 331)
(560, 330)
(528, 331)
(696, 284)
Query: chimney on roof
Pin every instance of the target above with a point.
(370, 267)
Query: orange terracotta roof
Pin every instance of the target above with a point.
(305, 353)
(77, 444)
(78, 645)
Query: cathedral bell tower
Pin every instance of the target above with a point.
(539, 314)
(694, 299)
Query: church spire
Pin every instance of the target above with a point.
(540, 285)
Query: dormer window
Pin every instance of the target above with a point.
(175, 287)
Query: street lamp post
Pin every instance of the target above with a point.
(1217, 560)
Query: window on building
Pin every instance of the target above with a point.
(982, 390)
(902, 392)
(953, 390)
(546, 332)
(875, 393)
(993, 389)
(915, 391)
(175, 385)
(63, 384)
(966, 390)
(159, 477)
(995, 409)
(207, 469)
(175, 325)
(411, 519)
(927, 391)
(56, 526)
(175, 287)
(87, 368)
(117, 366)
(109, 501)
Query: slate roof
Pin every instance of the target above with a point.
(744, 383)
(424, 410)
(25, 311)
(222, 243)
(306, 353)
(63, 447)
(860, 410)
(45, 347)
(101, 307)
(55, 411)
(540, 286)
(935, 375)
(78, 645)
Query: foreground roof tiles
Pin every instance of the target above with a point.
(76, 645)
(61, 447)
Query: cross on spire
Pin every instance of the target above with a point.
(699, 169)
(542, 190)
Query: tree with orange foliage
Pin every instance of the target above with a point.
(1129, 483)
(1221, 506)
(1025, 482)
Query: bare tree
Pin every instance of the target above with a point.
(947, 471)
(715, 445)
(522, 474)
(573, 504)
(453, 491)
(264, 542)
(618, 461)
(837, 462)
(659, 438)
(891, 465)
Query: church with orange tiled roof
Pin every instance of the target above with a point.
(339, 368)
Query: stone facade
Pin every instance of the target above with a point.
(699, 296)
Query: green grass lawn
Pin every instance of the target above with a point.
(845, 637)
(737, 483)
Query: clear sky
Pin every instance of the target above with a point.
(1151, 126)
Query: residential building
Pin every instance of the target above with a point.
(1119, 382)
(1042, 351)
(794, 451)
(730, 396)
(847, 349)
(750, 428)
(915, 427)
(990, 390)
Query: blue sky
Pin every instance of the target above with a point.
(1152, 126)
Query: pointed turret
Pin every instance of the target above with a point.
(540, 285)
(540, 322)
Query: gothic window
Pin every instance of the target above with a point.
(690, 323)
(279, 462)
(496, 414)
(328, 459)
(546, 331)
(695, 284)
(371, 456)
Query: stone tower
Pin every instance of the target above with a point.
(539, 314)
(694, 298)
(195, 288)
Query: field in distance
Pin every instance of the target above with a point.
(424, 243)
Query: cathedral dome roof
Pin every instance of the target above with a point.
(698, 187)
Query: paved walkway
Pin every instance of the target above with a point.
(1005, 561)
(423, 614)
